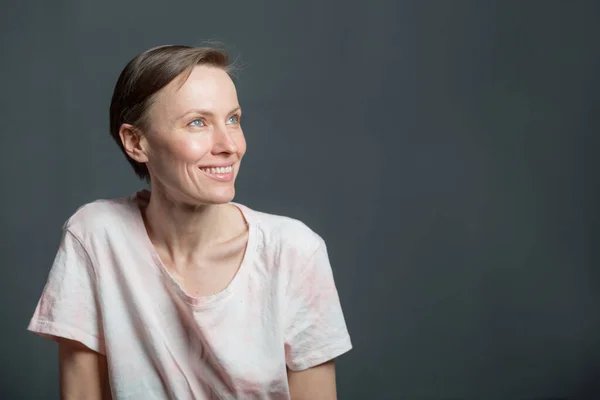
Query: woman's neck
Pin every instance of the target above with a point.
(182, 231)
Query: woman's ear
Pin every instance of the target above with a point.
(134, 143)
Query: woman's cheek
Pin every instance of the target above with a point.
(192, 148)
(240, 143)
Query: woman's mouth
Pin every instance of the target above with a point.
(223, 174)
(218, 170)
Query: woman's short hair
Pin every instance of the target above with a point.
(144, 76)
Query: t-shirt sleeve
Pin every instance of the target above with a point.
(68, 306)
(316, 329)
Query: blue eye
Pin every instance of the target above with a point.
(197, 123)
(234, 119)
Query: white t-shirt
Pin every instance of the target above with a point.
(109, 290)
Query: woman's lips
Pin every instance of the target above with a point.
(222, 174)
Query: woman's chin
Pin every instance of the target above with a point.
(217, 197)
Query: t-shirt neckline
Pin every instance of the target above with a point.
(198, 302)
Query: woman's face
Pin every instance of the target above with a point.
(194, 143)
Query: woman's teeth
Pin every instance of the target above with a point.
(218, 170)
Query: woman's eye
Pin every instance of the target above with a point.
(234, 119)
(196, 122)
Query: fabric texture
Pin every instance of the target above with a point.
(108, 289)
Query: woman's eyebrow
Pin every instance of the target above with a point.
(205, 112)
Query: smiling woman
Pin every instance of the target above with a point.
(178, 292)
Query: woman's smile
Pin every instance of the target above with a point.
(219, 173)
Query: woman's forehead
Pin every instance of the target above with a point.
(206, 87)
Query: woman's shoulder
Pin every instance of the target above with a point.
(283, 232)
(99, 214)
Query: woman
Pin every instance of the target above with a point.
(178, 292)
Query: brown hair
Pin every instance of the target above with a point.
(144, 76)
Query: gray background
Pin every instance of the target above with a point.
(446, 151)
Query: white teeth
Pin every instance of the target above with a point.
(218, 170)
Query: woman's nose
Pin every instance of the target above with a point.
(222, 141)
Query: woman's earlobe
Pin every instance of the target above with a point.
(133, 143)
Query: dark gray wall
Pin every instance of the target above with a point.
(446, 150)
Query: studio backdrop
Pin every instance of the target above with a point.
(447, 152)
